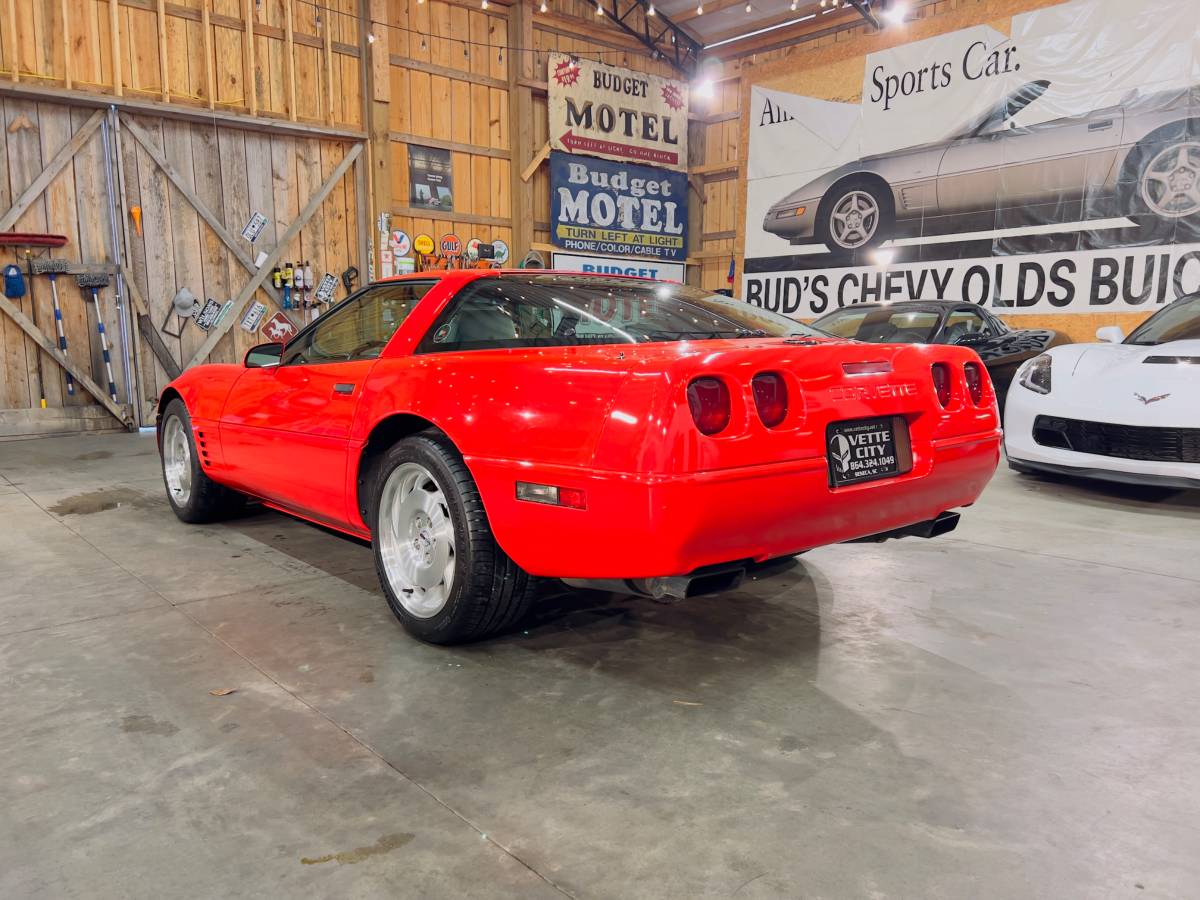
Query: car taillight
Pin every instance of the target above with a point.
(572, 498)
(974, 383)
(770, 398)
(941, 382)
(708, 399)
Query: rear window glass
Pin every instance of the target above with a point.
(567, 310)
(881, 326)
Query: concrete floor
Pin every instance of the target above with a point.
(1013, 711)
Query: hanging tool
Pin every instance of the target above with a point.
(348, 278)
(52, 268)
(37, 353)
(93, 283)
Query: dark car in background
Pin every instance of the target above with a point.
(1001, 348)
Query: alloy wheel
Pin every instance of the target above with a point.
(416, 540)
(1171, 181)
(854, 220)
(177, 461)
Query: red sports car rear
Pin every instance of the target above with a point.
(482, 429)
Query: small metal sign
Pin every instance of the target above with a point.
(502, 252)
(326, 288)
(206, 316)
(253, 317)
(278, 328)
(451, 245)
(254, 227)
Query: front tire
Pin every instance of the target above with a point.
(443, 574)
(193, 496)
(858, 216)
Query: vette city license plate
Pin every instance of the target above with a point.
(866, 449)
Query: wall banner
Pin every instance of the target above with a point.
(1053, 169)
(617, 209)
(611, 265)
(617, 113)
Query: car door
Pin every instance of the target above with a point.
(285, 429)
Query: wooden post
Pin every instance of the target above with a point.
(289, 60)
(66, 30)
(209, 77)
(378, 110)
(163, 69)
(249, 80)
(520, 119)
(114, 28)
(14, 59)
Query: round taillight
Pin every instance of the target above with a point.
(941, 382)
(708, 399)
(974, 382)
(770, 398)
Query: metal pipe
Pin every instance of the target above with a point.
(119, 281)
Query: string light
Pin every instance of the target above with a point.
(484, 4)
(793, 5)
(599, 8)
(748, 7)
(650, 10)
(543, 5)
(699, 9)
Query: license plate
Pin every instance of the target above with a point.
(867, 449)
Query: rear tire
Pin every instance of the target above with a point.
(443, 574)
(193, 496)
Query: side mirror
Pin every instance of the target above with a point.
(1112, 334)
(264, 356)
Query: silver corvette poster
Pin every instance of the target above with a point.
(1052, 169)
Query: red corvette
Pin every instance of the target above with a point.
(486, 428)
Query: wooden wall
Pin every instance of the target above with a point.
(195, 53)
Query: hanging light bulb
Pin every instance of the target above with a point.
(423, 46)
(699, 9)
(749, 8)
(650, 11)
(484, 4)
(599, 8)
(543, 7)
(793, 5)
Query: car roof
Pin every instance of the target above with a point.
(931, 305)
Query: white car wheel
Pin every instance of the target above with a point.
(1170, 185)
(416, 540)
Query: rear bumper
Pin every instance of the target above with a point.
(646, 526)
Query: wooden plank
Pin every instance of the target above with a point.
(440, 216)
(82, 378)
(540, 157)
(247, 292)
(157, 238)
(446, 71)
(66, 44)
(327, 55)
(114, 36)
(249, 75)
(456, 146)
(206, 171)
(39, 93)
(38, 185)
(14, 55)
(164, 73)
(26, 424)
(209, 80)
(289, 59)
(149, 333)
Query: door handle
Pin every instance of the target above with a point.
(343, 388)
(1100, 126)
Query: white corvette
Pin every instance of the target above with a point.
(1126, 410)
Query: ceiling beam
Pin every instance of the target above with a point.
(715, 6)
(864, 10)
(657, 33)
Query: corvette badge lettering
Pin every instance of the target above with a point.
(874, 391)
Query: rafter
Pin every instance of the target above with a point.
(658, 34)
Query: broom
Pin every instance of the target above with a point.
(53, 267)
(93, 283)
